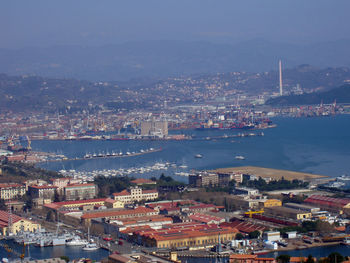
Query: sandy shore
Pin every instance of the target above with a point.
(272, 173)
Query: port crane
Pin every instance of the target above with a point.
(250, 213)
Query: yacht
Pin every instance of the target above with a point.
(198, 156)
(90, 246)
(77, 241)
(239, 157)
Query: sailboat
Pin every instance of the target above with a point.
(91, 245)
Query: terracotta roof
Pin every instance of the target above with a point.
(328, 201)
(143, 181)
(4, 218)
(116, 213)
(122, 193)
(76, 202)
(79, 185)
(43, 186)
(206, 218)
(10, 185)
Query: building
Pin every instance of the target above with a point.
(246, 191)
(270, 202)
(287, 213)
(203, 179)
(10, 223)
(154, 222)
(76, 205)
(80, 191)
(112, 214)
(154, 128)
(135, 194)
(207, 219)
(238, 258)
(186, 235)
(111, 203)
(11, 191)
(245, 202)
(225, 178)
(272, 236)
(307, 208)
(42, 191)
(328, 203)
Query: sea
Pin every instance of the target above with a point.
(314, 145)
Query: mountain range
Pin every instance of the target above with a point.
(159, 59)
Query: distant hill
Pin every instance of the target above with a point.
(159, 59)
(340, 95)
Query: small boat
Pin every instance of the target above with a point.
(198, 156)
(90, 247)
(239, 157)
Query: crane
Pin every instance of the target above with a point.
(250, 213)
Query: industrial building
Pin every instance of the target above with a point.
(186, 235)
(287, 213)
(153, 128)
(10, 223)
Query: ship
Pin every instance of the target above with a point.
(77, 241)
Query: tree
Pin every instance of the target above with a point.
(335, 257)
(65, 258)
(310, 259)
(283, 258)
(254, 234)
(239, 236)
(51, 216)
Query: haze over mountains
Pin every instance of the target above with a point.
(159, 59)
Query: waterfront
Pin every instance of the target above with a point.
(73, 252)
(311, 145)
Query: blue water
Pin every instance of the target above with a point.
(48, 252)
(314, 145)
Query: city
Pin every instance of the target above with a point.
(195, 131)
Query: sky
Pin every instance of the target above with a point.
(44, 23)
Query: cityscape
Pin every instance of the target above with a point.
(136, 152)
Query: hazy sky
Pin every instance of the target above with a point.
(96, 22)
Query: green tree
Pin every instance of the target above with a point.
(239, 236)
(335, 257)
(254, 234)
(65, 258)
(310, 259)
(283, 258)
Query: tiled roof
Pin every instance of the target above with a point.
(122, 193)
(10, 185)
(116, 213)
(206, 218)
(43, 186)
(80, 185)
(328, 201)
(4, 218)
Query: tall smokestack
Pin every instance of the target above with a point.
(281, 84)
